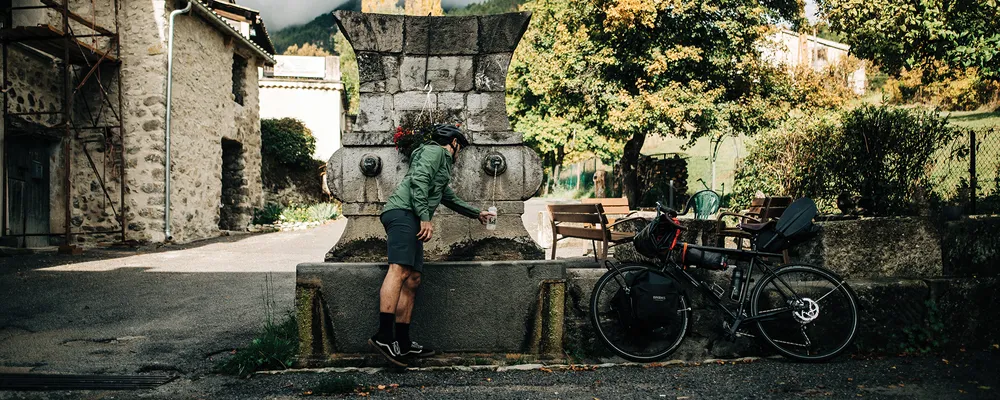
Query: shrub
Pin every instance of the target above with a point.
(323, 212)
(950, 90)
(879, 154)
(287, 141)
(267, 215)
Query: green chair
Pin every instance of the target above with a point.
(705, 204)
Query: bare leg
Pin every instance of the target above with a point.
(389, 295)
(404, 308)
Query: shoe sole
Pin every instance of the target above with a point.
(423, 355)
(384, 354)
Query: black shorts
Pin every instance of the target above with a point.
(401, 228)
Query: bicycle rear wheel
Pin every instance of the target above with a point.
(639, 344)
(812, 314)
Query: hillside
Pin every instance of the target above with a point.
(321, 30)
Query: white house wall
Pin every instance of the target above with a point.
(320, 110)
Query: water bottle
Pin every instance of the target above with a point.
(491, 221)
(737, 281)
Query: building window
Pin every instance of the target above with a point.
(239, 78)
(821, 54)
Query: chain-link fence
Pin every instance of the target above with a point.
(965, 174)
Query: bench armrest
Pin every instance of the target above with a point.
(626, 219)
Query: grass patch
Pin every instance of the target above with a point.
(274, 348)
(974, 119)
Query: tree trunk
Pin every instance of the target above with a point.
(629, 162)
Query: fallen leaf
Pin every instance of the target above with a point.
(850, 379)
(945, 361)
(543, 369)
(394, 385)
(381, 387)
(996, 346)
(489, 379)
(961, 391)
(984, 387)
(307, 393)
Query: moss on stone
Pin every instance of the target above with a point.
(362, 250)
(492, 249)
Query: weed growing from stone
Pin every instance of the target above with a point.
(274, 348)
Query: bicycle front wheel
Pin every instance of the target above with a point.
(808, 313)
(642, 342)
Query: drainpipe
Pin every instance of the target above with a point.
(170, 82)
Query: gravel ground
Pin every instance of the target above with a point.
(970, 375)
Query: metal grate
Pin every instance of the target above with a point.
(79, 382)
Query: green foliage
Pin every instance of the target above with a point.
(323, 212)
(594, 75)
(275, 348)
(286, 141)
(880, 154)
(963, 90)
(349, 74)
(267, 215)
(925, 337)
(487, 7)
(315, 213)
(320, 31)
(899, 34)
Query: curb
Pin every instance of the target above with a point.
(506, 368)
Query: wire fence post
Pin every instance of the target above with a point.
(973, 181)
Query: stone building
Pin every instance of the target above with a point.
(310, 90)
(85, 140)
(793, 49)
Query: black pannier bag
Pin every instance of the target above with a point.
(702, 257)
(653, 300)
(658, 237)
(794, 226)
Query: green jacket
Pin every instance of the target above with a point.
(425, 185)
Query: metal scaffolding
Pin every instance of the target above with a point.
(88, 69)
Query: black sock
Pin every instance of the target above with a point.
(403, 334)
(385, 322)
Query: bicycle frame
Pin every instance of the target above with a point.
(739, 315)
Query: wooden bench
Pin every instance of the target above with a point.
(592, 223)
(612, 206)
(762, 209)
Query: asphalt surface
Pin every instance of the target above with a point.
(166, 310)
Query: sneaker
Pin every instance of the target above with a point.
(389, 350)
(416, 350)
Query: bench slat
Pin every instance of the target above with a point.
(608, 201)
(581, 233)
(574, 208)
(616, 209)
(584, 218)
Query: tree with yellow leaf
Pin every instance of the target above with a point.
(605, 74)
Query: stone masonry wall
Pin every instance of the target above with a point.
(205, 112)
(465, 59)
(144, 48)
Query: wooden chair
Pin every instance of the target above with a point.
(762, 210)
(592, 223)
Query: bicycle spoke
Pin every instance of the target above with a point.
(831, 291)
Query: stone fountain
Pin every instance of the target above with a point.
(464, 60)
(483, 291)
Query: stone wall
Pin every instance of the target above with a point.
(205, 112)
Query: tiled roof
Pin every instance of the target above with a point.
(202, 8)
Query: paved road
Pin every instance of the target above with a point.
(123, 312)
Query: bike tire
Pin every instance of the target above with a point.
(839, 314)
(629, 343)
